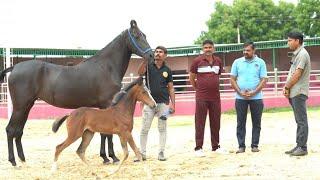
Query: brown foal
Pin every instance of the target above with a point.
(117, 119)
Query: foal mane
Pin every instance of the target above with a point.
(119, 95)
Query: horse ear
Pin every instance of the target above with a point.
(133, 23)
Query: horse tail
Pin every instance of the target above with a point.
(4, 72)
(57, 123)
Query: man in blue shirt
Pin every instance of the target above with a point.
(248, 77)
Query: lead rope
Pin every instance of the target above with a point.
(148, 80)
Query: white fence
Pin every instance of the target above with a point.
(185, 92)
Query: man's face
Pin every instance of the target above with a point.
(208, 49)
(248, 52)
(159, 55)
(293, 43)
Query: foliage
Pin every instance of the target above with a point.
(261, 20)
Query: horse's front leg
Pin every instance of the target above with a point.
(103, 149)
(110, 149)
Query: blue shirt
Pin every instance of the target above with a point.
(249, 74)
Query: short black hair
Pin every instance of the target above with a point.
(207, 41)
(249, 43)
(162, 48)
(296, 35)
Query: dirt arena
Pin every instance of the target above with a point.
(277, 136)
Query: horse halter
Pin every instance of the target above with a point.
(137, 45)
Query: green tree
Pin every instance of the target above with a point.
(307, 15)
(257, 20)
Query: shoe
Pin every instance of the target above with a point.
(240, 150)
(255, 149)
(199, 153)
(161, 156)
(220, 151)
(291, 151)
(144, 157)
(299, 152)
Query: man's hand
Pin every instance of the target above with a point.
(286, 92)
(172, 109)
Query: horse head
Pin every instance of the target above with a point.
(143, 93)
(138, 43)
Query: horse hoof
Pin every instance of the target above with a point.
(13, 163)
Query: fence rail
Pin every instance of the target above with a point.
(185, 92)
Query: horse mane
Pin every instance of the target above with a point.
(117, 97)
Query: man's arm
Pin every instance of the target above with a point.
(262, 84)
(172, 96)
(235, 86)
(292, 81)
(295, 78)
(192, 79)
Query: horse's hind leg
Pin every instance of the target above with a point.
(15, 130)
(103, 149)
(110, 149)
(86, 138)
(20, 132)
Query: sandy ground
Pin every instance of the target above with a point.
(277, 136)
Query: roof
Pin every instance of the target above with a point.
(174, 51)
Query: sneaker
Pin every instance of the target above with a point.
(161, 156)
(240, 150)
(143, 158)
(299, 152)
(255, 149)
(199, 153)
(221, 151)
(291, 151)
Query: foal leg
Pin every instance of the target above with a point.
(134, 146)
(110, 149)
(124, 146)
(86, 139)
(103, 149)
(72, 137)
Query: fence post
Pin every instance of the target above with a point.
(276, 80)
(131, 77)
(8, 64)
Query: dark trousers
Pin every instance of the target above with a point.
(256, 108)
(298, 104)
(202, 108)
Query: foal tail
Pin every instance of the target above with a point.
(57, 123)
(4, 72)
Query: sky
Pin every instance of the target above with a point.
(92, 24)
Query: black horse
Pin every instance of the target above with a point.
(91, 83)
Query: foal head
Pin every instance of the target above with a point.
(143, 94)
(136, 91)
